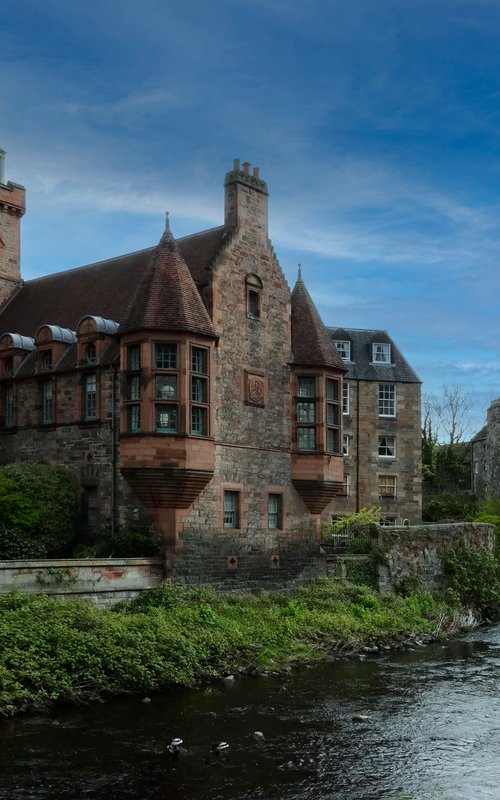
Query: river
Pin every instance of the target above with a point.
(433, 734)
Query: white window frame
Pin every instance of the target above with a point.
(231, 509)
(344, 348)
(387, 400)
(345, 398)
(386, 446)
(388, 486)
(389, 521)
(381, 353)
(345, 444)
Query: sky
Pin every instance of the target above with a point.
(375, 124)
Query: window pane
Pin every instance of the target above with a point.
(332, 389)
(166, 419)
(387, 399)
(90, 353)
(306, 387)
(134, 387)
(306, 412)
(387, 485)
(165, 387)
(345, 398)
(199, 390)
(382, 353)
(344, 350)
(198, 360)
(332, 414)
(231, 509)
(134, 357)
(198, 421)
(134, 418)
(306, 438)
(253, 304)
(345, 444)
(9, 405)
(47, 403)
(90, 396)
(387, 446)
(332, 440)
(274, 511)
(166, 356)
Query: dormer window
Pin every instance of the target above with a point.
(46, 359)
(254, 290)
(381, 353)
(90, 353)
(343, 349)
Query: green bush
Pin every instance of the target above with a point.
(475, 577)
(449, 507)
(38, 506)
(132, 542)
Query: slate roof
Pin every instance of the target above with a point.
(311, 344)
(361, 367)
(166, 297)
(481, 435)
(101, 289)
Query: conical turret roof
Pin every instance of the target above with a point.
(311, 343)
(166, 297)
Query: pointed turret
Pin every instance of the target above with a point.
(311, 343)
(166, 298)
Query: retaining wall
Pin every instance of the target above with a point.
(104, 581)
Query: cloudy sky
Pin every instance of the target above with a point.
(375, 124)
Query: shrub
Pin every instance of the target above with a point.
(450, 507)
(38, 506)
(132, 542)
(475, 577)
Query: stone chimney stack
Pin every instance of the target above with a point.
(245, 200)
(12, 208)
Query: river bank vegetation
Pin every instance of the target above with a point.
(176, 637)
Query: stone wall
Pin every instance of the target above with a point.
(103, 581)
(421, 551)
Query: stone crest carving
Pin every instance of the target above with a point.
(255, 394)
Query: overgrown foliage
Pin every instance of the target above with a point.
(52, 650)
(38, 505)
(449, 507)
(475, 577)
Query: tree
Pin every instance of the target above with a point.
(445, 422)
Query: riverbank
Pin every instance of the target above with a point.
(52, 651)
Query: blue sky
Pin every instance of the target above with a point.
(375, 124)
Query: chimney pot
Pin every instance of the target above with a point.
(256, 172)
(236, 164)
(246, 167)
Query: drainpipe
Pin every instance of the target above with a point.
(357, 444)
(112, 373)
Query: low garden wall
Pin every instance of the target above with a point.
(105, 581)
(418, 554)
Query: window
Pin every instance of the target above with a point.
(381, 353)
(231, 509)
(46, 359)
(8, 365)
(345, 398)
(253, 304)
(387, 486)
(166, 418)
(387, 400)
(345, 444)
(332, 416)
(8, 406)
(274, 511)
(199, 391)
(254, 290)
(346, 486)
(344, 349)
(134, 418)
(387, 446)
(306, 439)
(134, 357)
(166, 387)
(90, 396)
(388, 522)
(133, 387)
(166, 356)
(47, 403)
(90, 506)
(90, 353)
(306, 413)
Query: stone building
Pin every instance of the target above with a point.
(381, 428)
(186, 386)
(485, 455)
